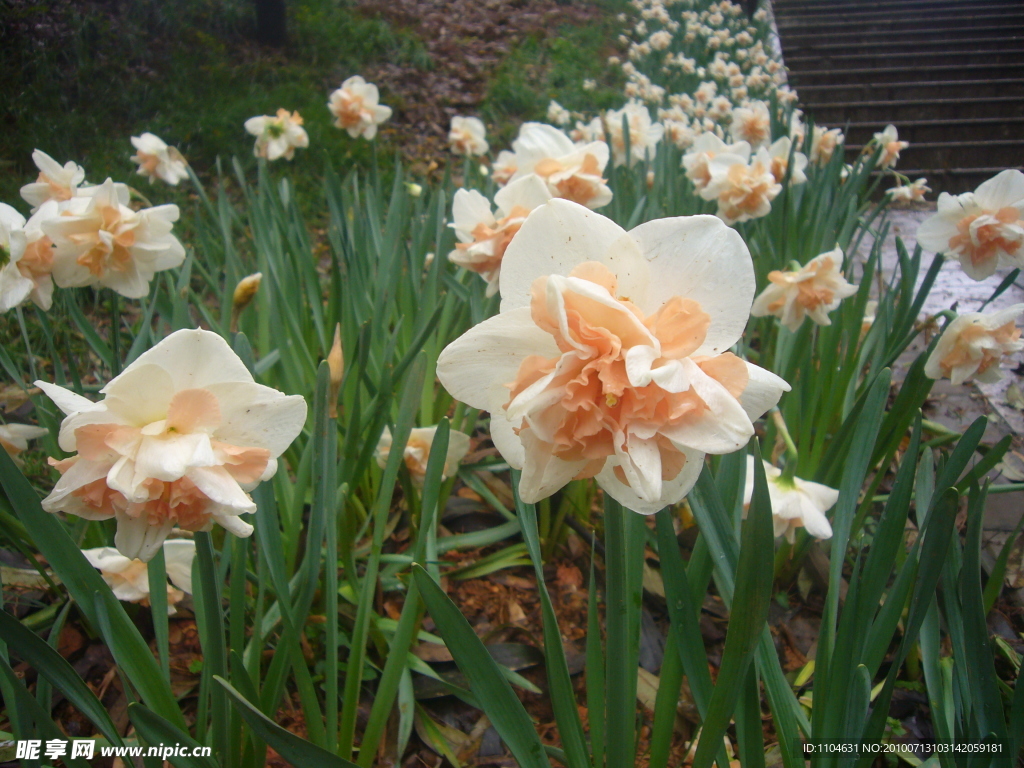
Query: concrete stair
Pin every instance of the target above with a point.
(949, 74)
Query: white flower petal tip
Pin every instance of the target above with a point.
(357, 109)
(974, 343)
(183, 432)
(812, 291)
(417, 451)
(277, 135)
(609, 359)
(795, 503)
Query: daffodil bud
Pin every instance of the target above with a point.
(415, 190)
(244, 293)
(336, 361)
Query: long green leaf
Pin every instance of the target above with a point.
(747, 617)
(488, 684)
(158, 731)
(295, 750)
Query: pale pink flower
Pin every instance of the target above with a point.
(183, 434)
(100, 241)
(54, 182)
(608, 358)
(484, 236)
(417, 452)
(812, 291)
(891, 146)
(973, 344)
(278, 136)
(157, 160)
(743, 190)
(128, 578)
(796, 503)
(752, 124)
(984, 229)
(356, 108)
(26, 270)
(824, 143)
(569, 170)
(466, 136)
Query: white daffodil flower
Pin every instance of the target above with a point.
(812, 291)
(157, 160)
(973, 344)
(796, 503)
(572, 172)
(181, 437)
(417, 451)
(609, 356)
(356, 108)
(277, 136)
(128, 578)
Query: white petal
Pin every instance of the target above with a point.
(722, 428)
(141, 394)
(763, 391)
(641, 464)
(699, 258)
(65, 399)
(528, 192)
(476, 366)
(506, 440)
(169, 458)
(137, 539)
(221, 488)
(672, 491)
(80, 474)
(470, 208)
(561, 235)
(255, 416)
(234, 524)
(543, 474)
(1002, 190)
(194, 359)
(178, 557)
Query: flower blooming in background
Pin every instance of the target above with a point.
(984, 228)
(972, 345)
(98, 240)
(157, 160)
(181, 437)
(644, 135)
(278, 136)
(504, 167)
(743, 190)
(824, 143)
(558, 114)
(608, 358)
(356, 108)
(908, 193)
(891, 146)
(796, 503)
(14, 438)
(417, 452)
(570, 171)
(779, 153)
(814, 290)
(752, 124)
(128, 578)
(484, 236)
(466, 136)
(706, 146)
(54, 182)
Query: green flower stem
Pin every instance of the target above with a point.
(792, 456)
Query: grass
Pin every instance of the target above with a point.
(85, 78)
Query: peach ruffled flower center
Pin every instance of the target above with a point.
(580, 186)
(37, 260)
(981, 236)
(590, 405)
(971, 341)
(177, 500)
(813, 285)
(498, 236)
(58, 191)
(750, 187)
(109, 243)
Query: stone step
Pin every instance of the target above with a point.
(900, 36)
(814, 45)
(785, 7)
(837, 25)
(843, 60)
(920, 89)
(839, 112)
(952, 180)
(859, 75)
(897, 13)
(950, 154)
(921, 131)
